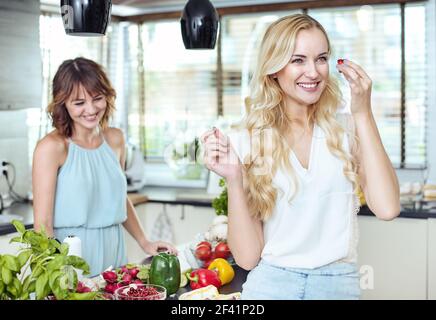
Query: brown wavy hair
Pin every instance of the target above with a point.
(67, 80)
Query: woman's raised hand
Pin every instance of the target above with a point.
(219, 155)
(360, 86)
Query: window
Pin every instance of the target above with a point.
(167, 96)
(177, 92)
(185, 91)
(371, 36)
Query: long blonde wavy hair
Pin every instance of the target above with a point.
(266, 115)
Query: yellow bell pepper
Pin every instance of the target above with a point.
(224, 269)
(361, 197)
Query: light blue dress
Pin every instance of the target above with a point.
(90, 203)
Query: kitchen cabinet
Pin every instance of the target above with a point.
(395, 253)
(186, 222)
(6, 247)
(432, 259)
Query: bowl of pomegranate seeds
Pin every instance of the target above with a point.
(135, 291)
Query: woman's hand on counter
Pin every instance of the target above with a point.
(154, 248)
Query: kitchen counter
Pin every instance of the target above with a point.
(234, 286)
(25, 212)
(193, 197)
(199, 197)
(21, 210)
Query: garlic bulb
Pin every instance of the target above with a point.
(219, 220)
(218, 232)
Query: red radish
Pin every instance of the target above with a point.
(110, 276)
(124, 269)
(127, 278)
(81, 288)
(111, 287)
(133, 272)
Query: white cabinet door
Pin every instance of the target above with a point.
(9, 248)
(432, 259)
(185, 223)
(188, 221)
(396, 253)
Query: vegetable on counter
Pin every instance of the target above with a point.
(222, 250)
(202, 278)
(52, 271)
(209, 293)
(165, 271)
(224, 269)
(125, 275)
(203, 252)
(220, 203)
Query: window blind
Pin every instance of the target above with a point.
(371, 36)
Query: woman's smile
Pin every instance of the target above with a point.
(90, 118)
(309, 86)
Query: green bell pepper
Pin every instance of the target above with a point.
(165, 271)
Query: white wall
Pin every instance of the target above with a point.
(20, 85)
(20, 58)
(14, 149)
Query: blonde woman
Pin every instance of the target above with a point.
(293, 169)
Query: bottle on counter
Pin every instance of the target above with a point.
(75, 249)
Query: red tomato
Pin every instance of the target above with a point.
(222, 250)
(206, 243)
(203, 252)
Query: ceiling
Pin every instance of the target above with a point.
(134, 7)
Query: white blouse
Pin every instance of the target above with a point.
(319, 226)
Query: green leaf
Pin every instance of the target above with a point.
(12, 290)
(82, 296)
(64, 249)
(26, 283)
(19, 226)
(69, 278)
(11, 262)
(37, 271)
(2, 287)
(55, 244)
(59, 293)
(6, 275)
(16, 239)
(32, 286)
(63, 282)
(18, 286)
(44, 243)
(23, 257)
(78, 263)
(56, 263)
(25, 295)
(41, 282)
(53, 276)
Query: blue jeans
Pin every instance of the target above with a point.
(336, 281)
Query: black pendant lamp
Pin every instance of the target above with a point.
(86, 17)
(199, 22)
